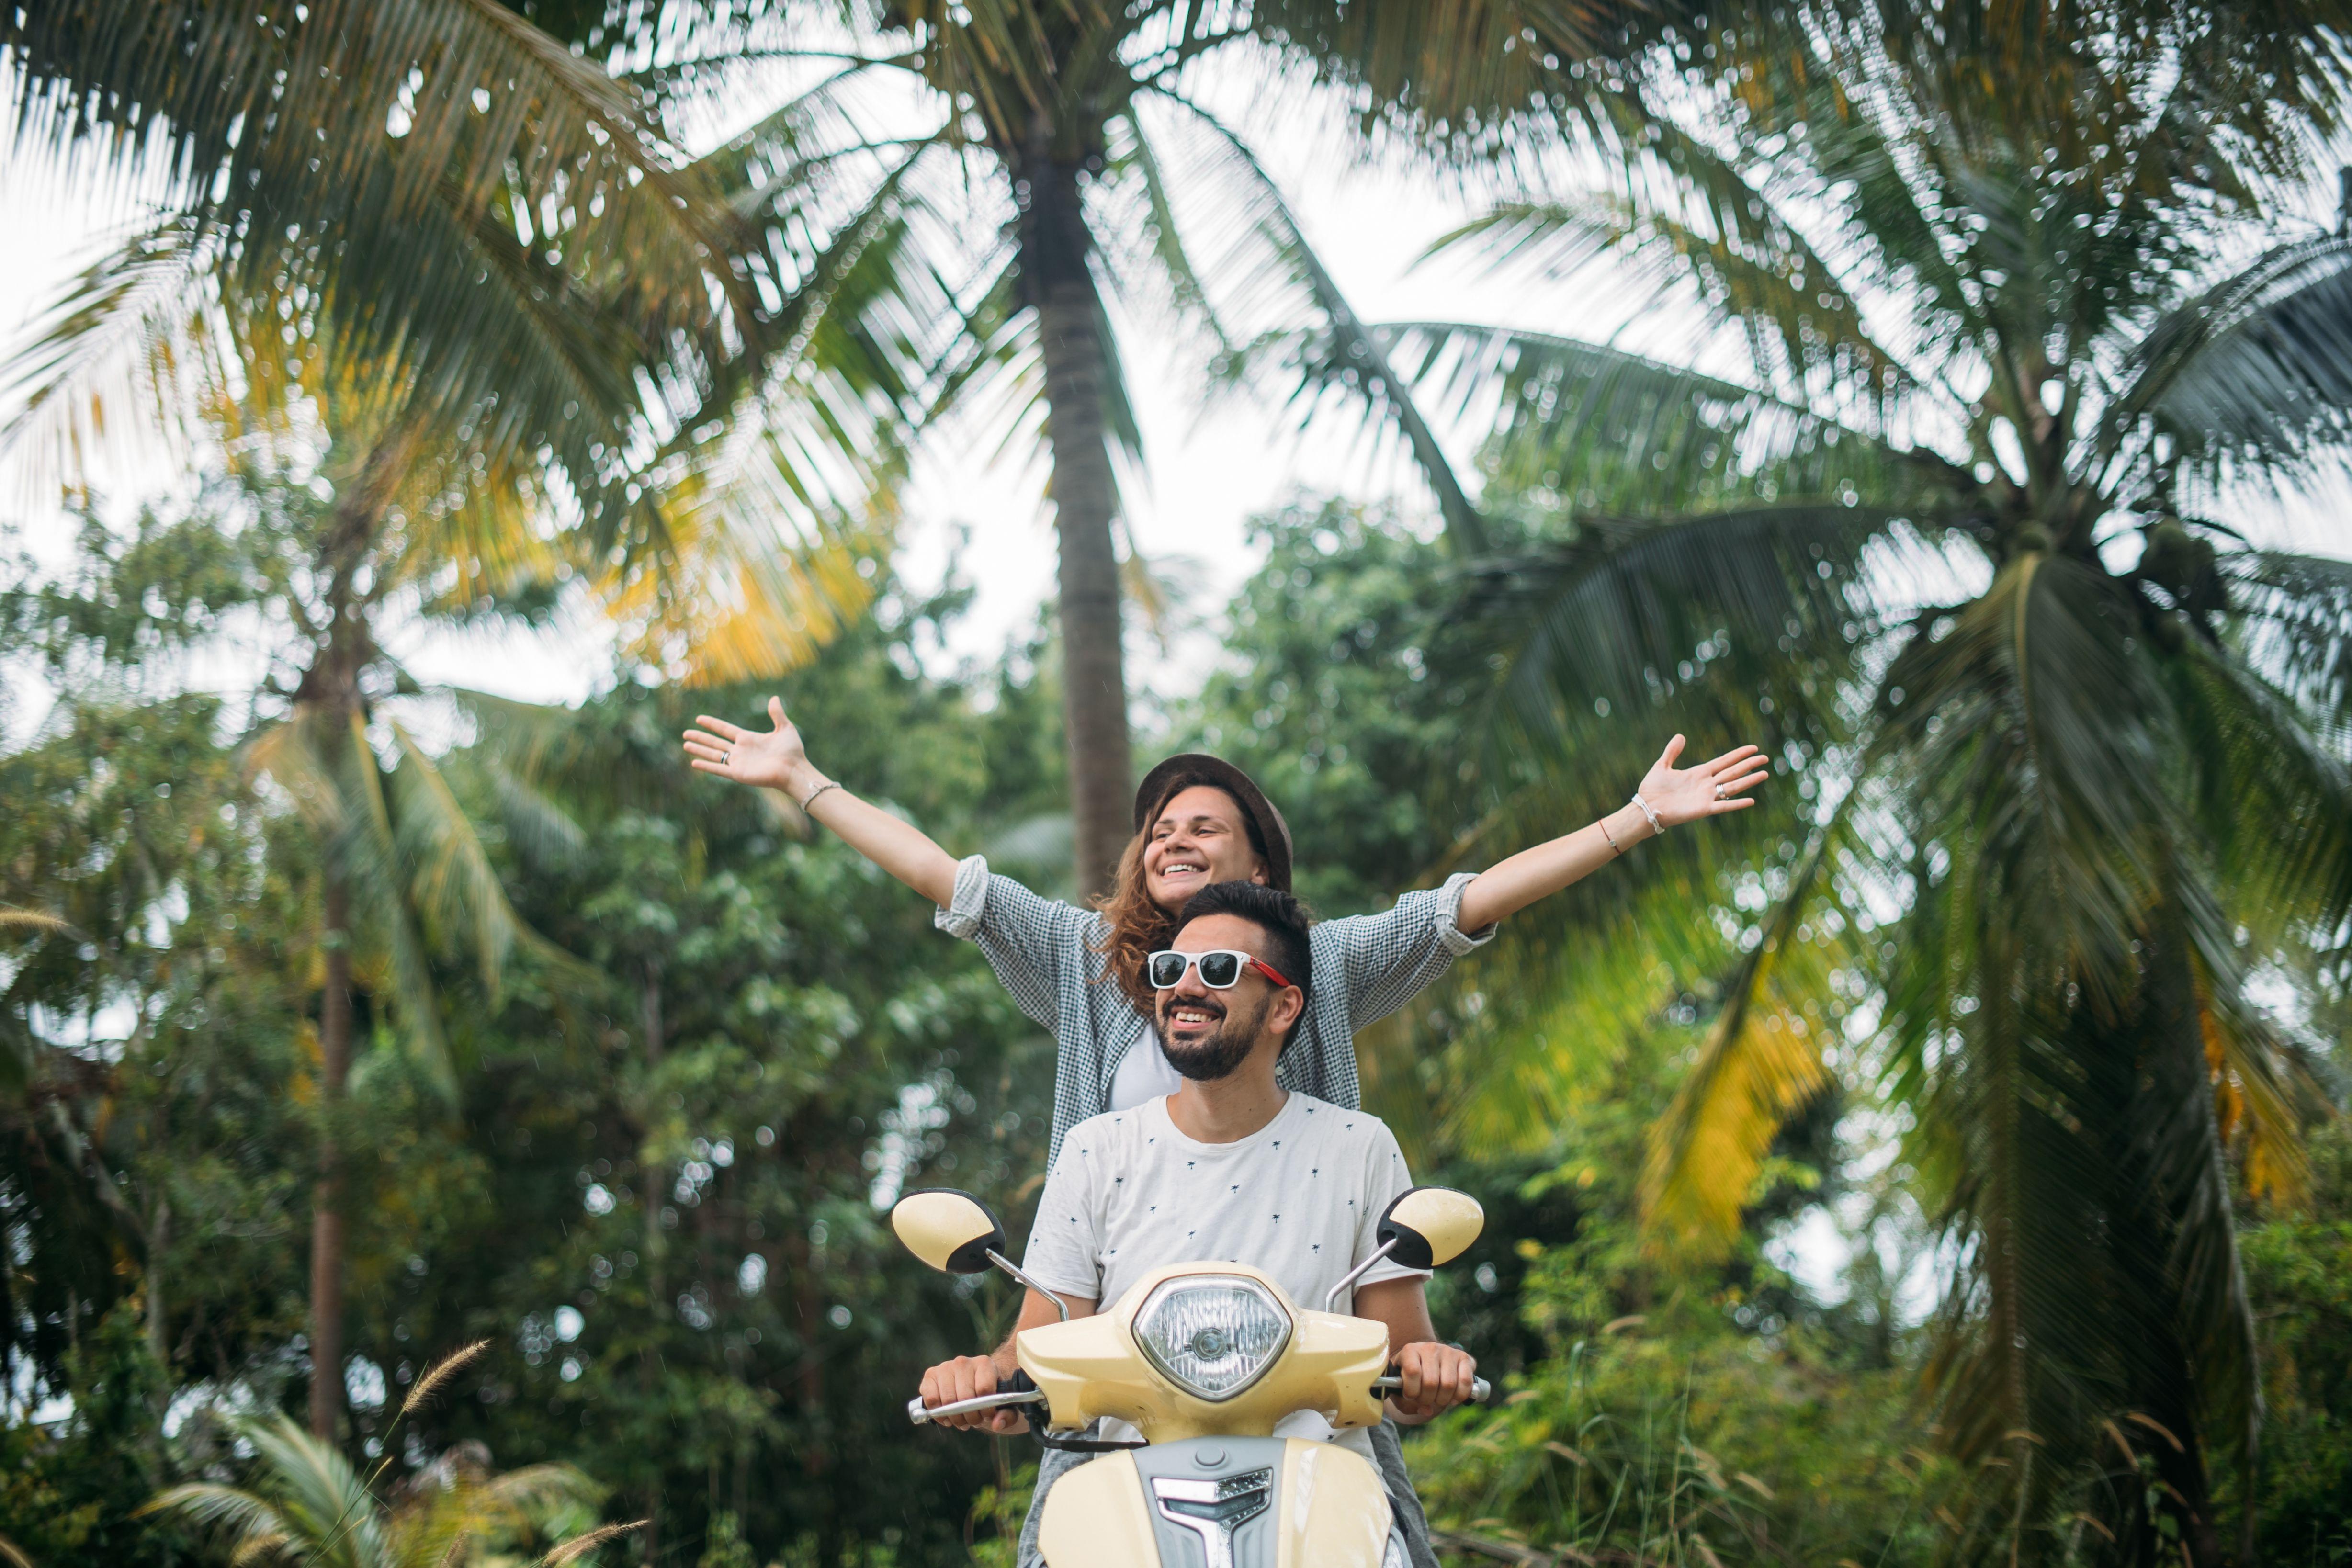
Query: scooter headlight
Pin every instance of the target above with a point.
(1212, 1334)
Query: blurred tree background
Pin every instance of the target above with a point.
(347, 1021)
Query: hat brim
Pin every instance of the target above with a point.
(1199, 768)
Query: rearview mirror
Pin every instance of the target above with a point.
(1431, 1225)
(952, 1231)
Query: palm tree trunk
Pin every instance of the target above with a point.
(330, 690)
(327, 1196)
(1059, 283)
(649, 1023)
(158, 1235)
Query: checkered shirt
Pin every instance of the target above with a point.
(1366, 967)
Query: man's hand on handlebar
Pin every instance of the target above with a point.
(1432, 1379)
(968, 1377)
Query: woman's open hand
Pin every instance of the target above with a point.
(1707, 790)
(773, 760)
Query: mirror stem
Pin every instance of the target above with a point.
(1002, 1262)
(1355, 1273)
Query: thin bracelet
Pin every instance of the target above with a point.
(820, 789)
(1603, 823)
(1657, 828)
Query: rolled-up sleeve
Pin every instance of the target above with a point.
(960, 916)
(1388, 958)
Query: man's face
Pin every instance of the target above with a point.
(1208, 1034)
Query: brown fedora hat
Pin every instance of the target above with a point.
(1190, 767)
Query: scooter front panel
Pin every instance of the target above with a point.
(1096, 1518)
(1335, 1512)
(1219, 1502)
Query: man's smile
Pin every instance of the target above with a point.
(1192, 1015)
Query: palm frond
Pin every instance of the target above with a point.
(2271, 793)
(2255, 373)
(1760, 1064)
(447, 868)
(341, 124)
(2296, 616)
(1586, 427)
(1804, 327)
(126, 335)
(369, 850)
(1340, 355)
(1613, 613)
(306, 1494)
(1475, 79)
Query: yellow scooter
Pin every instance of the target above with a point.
(1203, 1359)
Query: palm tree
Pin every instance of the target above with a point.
(425, 256)
(309, 1507)
(2030, 334)
(447, 181)
(982, 181)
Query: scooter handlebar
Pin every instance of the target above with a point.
(1019, 1390)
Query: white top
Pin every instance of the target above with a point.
(1300, 1198)
(1143, 1073)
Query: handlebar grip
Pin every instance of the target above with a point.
(1389, 1382)
(1016, 1389)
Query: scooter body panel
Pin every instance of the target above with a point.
(1219, 1502)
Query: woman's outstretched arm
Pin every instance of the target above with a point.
(776, 759)
(1676, 795)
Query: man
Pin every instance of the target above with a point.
(1233, 1168)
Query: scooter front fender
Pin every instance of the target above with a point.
(1219, 1502)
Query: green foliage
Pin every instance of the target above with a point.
(648, 1181)
(1664, 1411)
(307, 1505)
(2069, 802)
(2299, 1277)
(69, 1490)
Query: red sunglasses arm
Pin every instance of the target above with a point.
(1270, 972)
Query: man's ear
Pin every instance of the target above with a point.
(1283, 1011)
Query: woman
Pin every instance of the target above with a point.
(1200, 820)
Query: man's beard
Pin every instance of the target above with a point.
(1219, 1053)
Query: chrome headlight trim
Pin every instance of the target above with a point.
(1182, 1284)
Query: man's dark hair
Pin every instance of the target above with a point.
(1275, 913)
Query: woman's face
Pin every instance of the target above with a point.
(1197, 839)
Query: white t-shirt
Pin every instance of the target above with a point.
(1300, 1198)
(1143, 1073)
